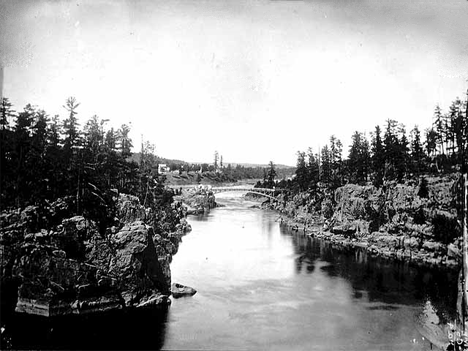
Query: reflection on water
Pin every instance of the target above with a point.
(382, 279)
(261, 286)
(137, 330)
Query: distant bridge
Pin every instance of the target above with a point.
(258, 191)
(251, 190)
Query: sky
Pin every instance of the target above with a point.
(255, 80)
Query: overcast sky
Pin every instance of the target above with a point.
(255, 80)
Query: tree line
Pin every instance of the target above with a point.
(391, 153)
(43, 158)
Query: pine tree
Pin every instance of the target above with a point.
(56, 161)
(301, 171)
(438, 127)
(378, 157)
(70, 125)
(37, 162)
(271, 175)
(313, 169)
(124, 141)
(7, 175)
(358, 159)
(431, 141)
(391, 149)
(336, 150)
(6, 114)
(22, 146)
(402, 157)
(417, 151)
(326, 167)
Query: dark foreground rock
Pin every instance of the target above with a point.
(53, 267)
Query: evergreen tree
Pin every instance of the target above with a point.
(336, 162)
(402, 156)
(326, 167)
(70, 125)
(438, 127)
(37, 160)
(301, 171)
(7, 114)
(6, 151)
(417, 152)
(378, 157)
(431, 141)
(56, 174)
(271, 175)
(124, 141)
(22, 147)
(313, 169)
(391, 149)
(359, 158)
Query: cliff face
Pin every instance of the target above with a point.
(66, 266)
(413, 221)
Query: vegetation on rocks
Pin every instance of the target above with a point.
(83, 228)
(396, 196)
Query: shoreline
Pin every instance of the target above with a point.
(340, 242)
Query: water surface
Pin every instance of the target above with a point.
(261, 286)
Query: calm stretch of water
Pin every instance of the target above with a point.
(261, 286)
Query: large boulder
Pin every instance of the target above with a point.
(179, 290)
(136, 263)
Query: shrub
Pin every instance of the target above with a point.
(446, 229)
(423, 188)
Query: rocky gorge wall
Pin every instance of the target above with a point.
(416, 221)
(53, 264)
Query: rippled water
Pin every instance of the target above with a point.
(261, 286)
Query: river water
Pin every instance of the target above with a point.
(261, 286)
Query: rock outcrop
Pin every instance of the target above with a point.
(179, 290)
(415, 221)
(198, 200)
(66, 266)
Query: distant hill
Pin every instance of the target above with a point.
(255, 165)
(136, 157)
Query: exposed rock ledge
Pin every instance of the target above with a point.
(70, 268)
(398, 221)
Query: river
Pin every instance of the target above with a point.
(262, 286)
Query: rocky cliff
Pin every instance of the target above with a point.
(53, 264)
(415, 221)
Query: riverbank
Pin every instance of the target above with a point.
(414, 222)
